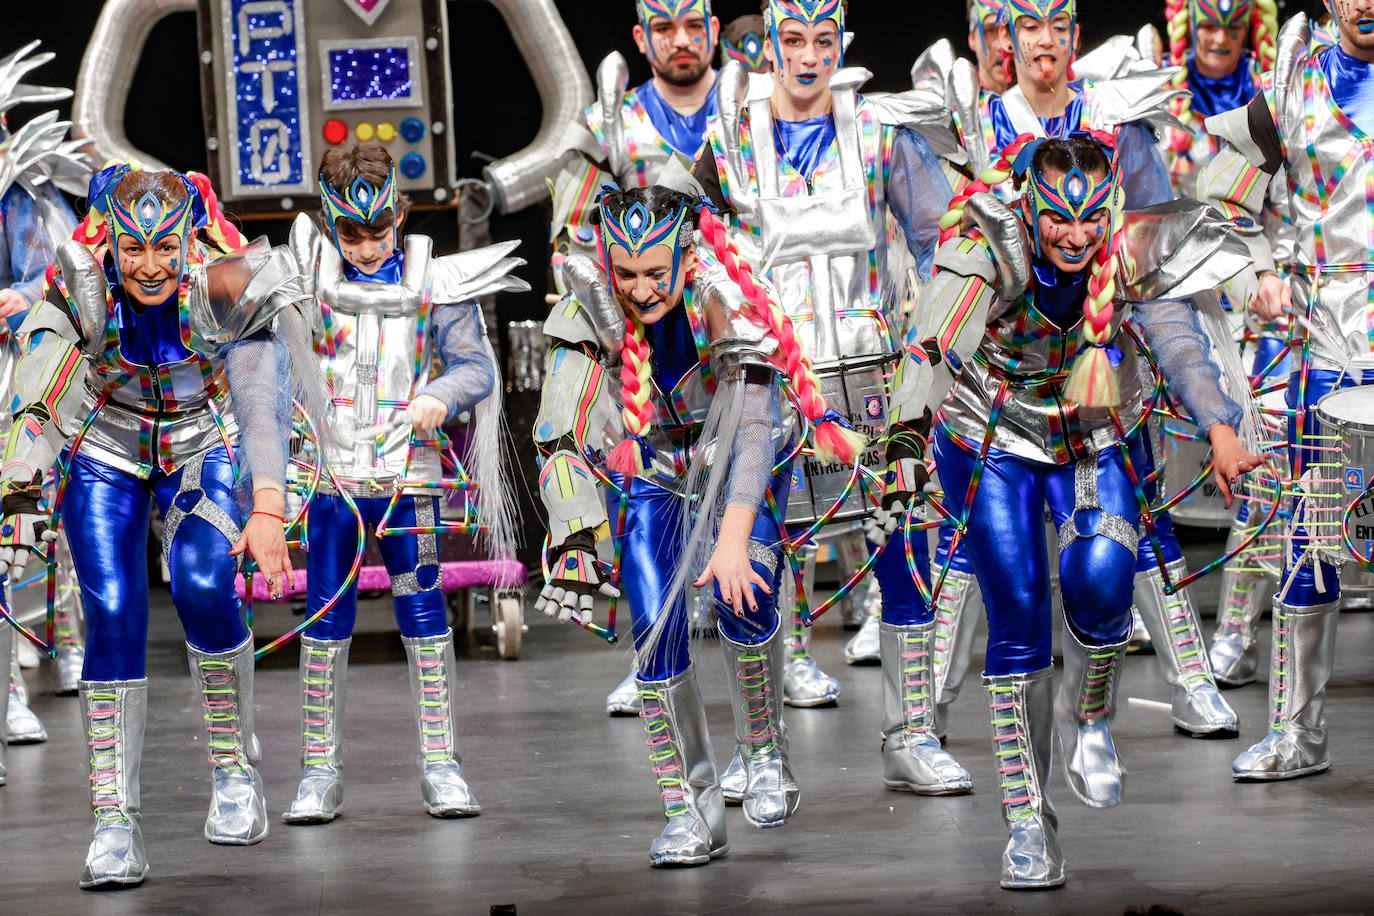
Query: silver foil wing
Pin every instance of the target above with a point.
(589, 287)
(87, 287)
(1006, 237)
(732, 91)
(242, 293)
(1112, 59)
(1149, 45)
(1176, 250)
(931, 68)
(470, 275)
(1139, 96)
(612, 78)
(964, 90)
(40, 152)
(925, 110)
(14, 67)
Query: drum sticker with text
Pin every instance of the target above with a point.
(797, 484)
(873, 407)
(1354, 478)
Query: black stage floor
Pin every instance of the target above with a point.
(569, 807)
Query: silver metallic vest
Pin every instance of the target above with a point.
(376, 355)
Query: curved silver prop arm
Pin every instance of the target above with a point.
(565, 89)
(107, 71)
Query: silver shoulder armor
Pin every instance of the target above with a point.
(1143, 95)
(1177, 249)
(612, 77)
(964, 91)
(597, 305)
(87, 289)
(931, 67)
(469, 275)
(1148, 44)
(924, 109)
(304, 242)
(267, 280)
(977, 261)
(1294, 44)
(376, 298)
(734, 86)
(1006, 236)
(735, 339)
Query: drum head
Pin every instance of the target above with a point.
(1349, 407)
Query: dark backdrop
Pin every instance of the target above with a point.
(497, 106)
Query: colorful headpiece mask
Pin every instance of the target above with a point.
(1044, 10)
(1219, 12)
(749, 51)
(361, 202)
(1075, 196)
(147, 219)
(673, 10)
(635, 229)
(808, 12)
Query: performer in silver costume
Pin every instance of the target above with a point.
(1135, 99)
(813, 173)
(1309, 124)
(1026, 325)
(152, 352)
(37, 162)
(627, 139)
(649, 316)
(373, 295)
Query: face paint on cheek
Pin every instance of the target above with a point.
(386, 245)
(174, 263)
(661, 286)
(828, 61)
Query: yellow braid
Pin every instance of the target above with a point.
(1264, 29)
(636, 390)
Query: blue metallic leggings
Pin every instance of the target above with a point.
(1303, 592)
(903, 605)
(649, 557)
(1006, 543)
(105, 514)
(411, 560)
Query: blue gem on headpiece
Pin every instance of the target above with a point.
(1076, 186)
(1225, 6)
(362, 192)
(636, 220)
(147, 212)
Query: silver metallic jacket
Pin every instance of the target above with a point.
(142, 419)
(1296, 126)
(580, 411)
(377, 353)
(985, 324)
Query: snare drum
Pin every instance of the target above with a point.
(1349, 415)
(856, 388)
(1186, 453)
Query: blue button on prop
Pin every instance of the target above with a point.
(413, 129)
(412, 165)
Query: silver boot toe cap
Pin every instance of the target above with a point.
(805, 685)
(238, 811)
(445, 791)
(319, 797)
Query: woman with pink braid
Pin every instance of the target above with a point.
(674, 377)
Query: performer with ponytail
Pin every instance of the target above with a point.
(1309, 126)
(1028, 307)
(626, 139)
(810, 173)
(163, 359)
(383, 309)
(672, 374)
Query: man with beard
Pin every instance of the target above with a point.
(627, 139)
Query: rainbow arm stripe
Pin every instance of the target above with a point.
(950, 319)
(1237, 188)
(49, 391)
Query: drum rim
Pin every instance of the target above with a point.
(1353, 391)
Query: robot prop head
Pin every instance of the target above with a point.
(637, 221)
(149, 207)
(362, 202)
(807, 12)
(1074, 193)
(1042, 11)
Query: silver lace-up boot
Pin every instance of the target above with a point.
(1022, 729)
(6, 635)
(1198, 707)
(862, 648)
(804, 684)
(115, 713)
(913, 760)
(624, 699)
(957, 611)
(685, 770)
(1083, 712)
(238, 811)
(22, 726)
(324, 686)
(1304, 649)
(432, 679)
(71, 648)
(770, 794)
(1234, 655)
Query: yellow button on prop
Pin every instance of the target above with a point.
(364, 131)
(386, 131)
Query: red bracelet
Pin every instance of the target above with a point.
(269, 515)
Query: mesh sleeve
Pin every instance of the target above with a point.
(33, 229)
(918, 194)
(1173, 333)
(468, 375)
(259, 374)
(1144, 177)
(752, 458)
